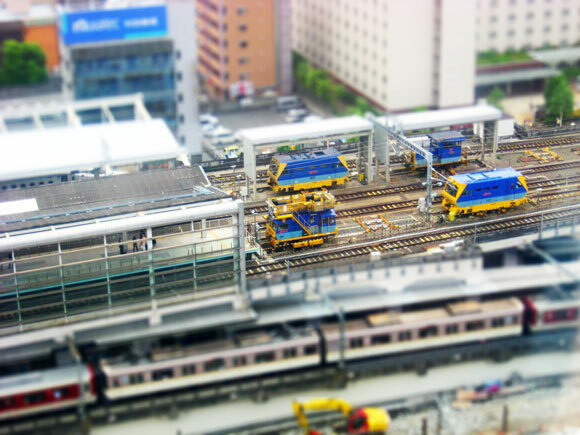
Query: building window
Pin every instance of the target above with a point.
(243, 76)
(513, 2)
(530, 2)
(511, 33)
(404, 335)
(242, 27)
(512, 17)
(547, 29)
(242, 10)
(243, 60)
(492, 35)
(529, 30)
(289, 353)
(493, 19)
(548, 14)
(181, 119)
(243, 44)
(530, 15)
(451, 329)
(564, 27)
(565, 12)
(178, 76)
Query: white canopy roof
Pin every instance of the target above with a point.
(61, 150)
(348, 125)
(443, 118)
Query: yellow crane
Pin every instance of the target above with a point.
(359, 420)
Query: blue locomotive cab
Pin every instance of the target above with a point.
(445, 147)
(480, 192)
(294, 172)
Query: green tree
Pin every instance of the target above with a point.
(495, 97)
(22, 63)
(301, 72)
(558, 97)
(420, 109)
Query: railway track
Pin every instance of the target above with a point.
(416, 239)
(386, 191)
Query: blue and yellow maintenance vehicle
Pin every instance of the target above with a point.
(480, 192)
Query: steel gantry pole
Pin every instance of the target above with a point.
(400, 142)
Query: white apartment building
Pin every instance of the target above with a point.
(407, 53)
(399, 53)
(517, 24)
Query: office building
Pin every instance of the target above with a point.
(244, 46)
(148, 49)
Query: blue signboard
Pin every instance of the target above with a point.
(113, 24)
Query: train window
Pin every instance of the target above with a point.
(478, 190)
(381, 339)
(356, 342)
(50, 182)
(494, 187)
(475, 325)
(283, 227)
(240, 361)
(189, 369)
(312, 167)
(324, 166)
(451, 189)
(429, 331)
(159, 375)
(264, 357)
(6, 403)
(311, 349)
(451, 329)
(41, 183)
(300, 169)
(4, 187)
(313, 219)
(291, 171)
(136, 379)
(519, 185)
(33, 398)
(334, 166)
(289, 353)
(512, 186)
(497, 322)
(214, 364)
(486, 188)
(404, 335)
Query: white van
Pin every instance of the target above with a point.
(222, 136)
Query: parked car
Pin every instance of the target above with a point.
(312, 118)
(296, 115)
(207, 120)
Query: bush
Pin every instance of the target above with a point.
(22, 63)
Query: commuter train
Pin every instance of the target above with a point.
(312, 170)
(302, 219)
(445, 147)
(258, 353)
(480, 192)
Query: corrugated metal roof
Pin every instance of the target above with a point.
(89, 199)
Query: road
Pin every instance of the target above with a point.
(362, 392)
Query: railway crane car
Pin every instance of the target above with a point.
(445, 147)
(480, 192)
(302, 219)
(312, 170)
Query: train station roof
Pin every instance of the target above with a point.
(38, 153)
(333, 127)
(557, 55)
(57, 204)
(442, 118)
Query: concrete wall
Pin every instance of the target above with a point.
(456, 54)
(46, 36)
(181, 23)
